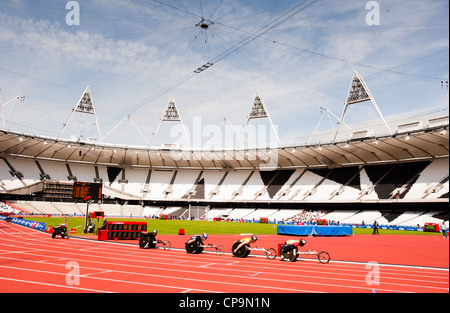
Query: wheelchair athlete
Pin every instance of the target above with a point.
(240, 247)
(195, 244)
(148, 241)
(289, 251)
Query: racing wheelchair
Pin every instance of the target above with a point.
(290, 252)
(196, 246)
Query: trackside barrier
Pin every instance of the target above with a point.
(408, 228)
(26, 223)
(295, 230)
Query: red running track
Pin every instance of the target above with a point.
(33, 262)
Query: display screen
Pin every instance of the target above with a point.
(432, 228)
(127, 227)
(123, 235)
(125, 230)
(82, 191)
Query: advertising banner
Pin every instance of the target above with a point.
(29, 224)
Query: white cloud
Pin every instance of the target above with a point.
(129, 52)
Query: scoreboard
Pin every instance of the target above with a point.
(431, 228)
(82, 191)
(123, 231)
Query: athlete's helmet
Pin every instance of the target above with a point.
(205, 235)
(302, 242)
(254, 238)
(155, 232)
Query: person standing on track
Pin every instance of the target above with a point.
(444, 230)
(376, 227)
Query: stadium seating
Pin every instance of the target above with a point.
(409, 181)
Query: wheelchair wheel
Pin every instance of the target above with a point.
(146, 243)
(167, 245)
(289, 256)
(324, 257)
(220, 250)
(194, 247)
(271, 254)
(243, 252)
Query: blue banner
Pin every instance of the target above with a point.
(408, 228)
(315, 230)
(29, 224)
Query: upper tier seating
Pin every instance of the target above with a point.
(406, 181)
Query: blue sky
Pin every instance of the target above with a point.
(299, 56)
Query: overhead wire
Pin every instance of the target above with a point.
(126, 60)
(240, 7)
(252, 37)
(213, 73)
(201, 8)
(357, 63)
(328, 56)
(175, 10)
(179, 9)
(249, 61)
(180, 3)
(216, 10)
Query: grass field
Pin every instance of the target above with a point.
(172, 227)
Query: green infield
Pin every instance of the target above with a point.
(172, 227)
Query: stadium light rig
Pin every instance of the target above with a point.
(203, 68)
(204, 24)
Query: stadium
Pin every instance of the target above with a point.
(393, 171)
(372, 176)
(399, 181)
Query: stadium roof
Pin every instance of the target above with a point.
(409, 143)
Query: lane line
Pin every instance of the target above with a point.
(53, 285)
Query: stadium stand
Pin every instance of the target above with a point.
(399, 178)
(414, 181)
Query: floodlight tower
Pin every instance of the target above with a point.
(258, 111)
(358, 93)
(84, 106)
(171, 114)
